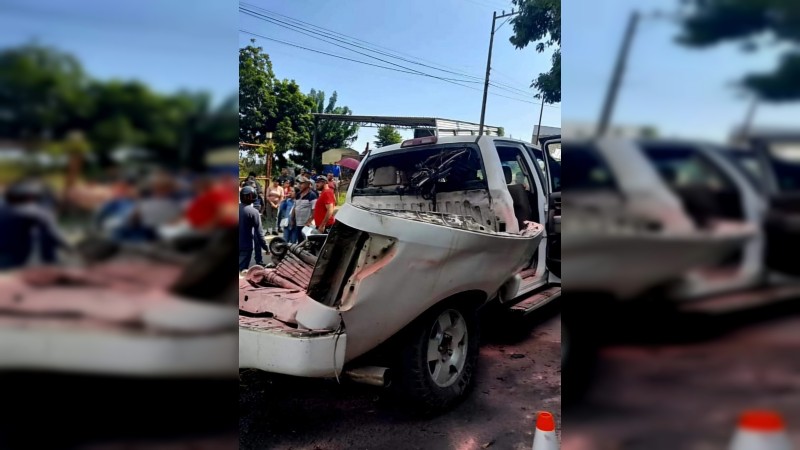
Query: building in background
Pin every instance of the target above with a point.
(448, 127)
(587, 130)
(544, 131)
(335, 155)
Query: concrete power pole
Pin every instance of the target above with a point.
(489, 65)
(619, 72)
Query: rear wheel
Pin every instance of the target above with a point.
(439, 358)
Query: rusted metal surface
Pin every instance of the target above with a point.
(278, 301)
(272, 324)
(121, 295)
(130, 275)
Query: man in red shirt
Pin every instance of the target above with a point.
(323, 210)
(213, 207)
(334, 187)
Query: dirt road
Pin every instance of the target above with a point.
(688, 395)
(518, 376)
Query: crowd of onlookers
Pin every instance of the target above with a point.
(284, 207)
(134, 208)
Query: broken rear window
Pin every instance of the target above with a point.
(423, 171)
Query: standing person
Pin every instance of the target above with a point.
(250, 230)
(258, 205)
(334, 187)
(259, 188)
(20, 217)
(286, 206)
(285, 177)
(274, 199)
(302, 213)
(324, 207)
(290, 230)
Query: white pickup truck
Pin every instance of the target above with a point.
(432, 230)
(686, 228)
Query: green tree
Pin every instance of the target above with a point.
(257, 101)
(540, 21)
(45, 97)
(42, 93)
(294, 105)
(501, 131)
(387, 135)
(332, 134)
(712, 22)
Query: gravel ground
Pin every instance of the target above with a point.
(688, 395)
(518, 376)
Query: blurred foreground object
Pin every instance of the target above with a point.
(761, 430)
(747, 22)
(115, 317)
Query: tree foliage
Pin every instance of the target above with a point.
(46, 96)
(387, 135)
(539, 21)
(753, 23)
(267, 104)
(257, 100)
(332, 134)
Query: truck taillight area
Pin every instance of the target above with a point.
(419, 141)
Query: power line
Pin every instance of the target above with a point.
(343, 35)
(366, 54)
(310, 33)
(381, 66)
(327, 33)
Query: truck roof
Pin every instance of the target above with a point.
(448, 140)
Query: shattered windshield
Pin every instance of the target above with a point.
(423, 171)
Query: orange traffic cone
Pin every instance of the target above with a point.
(545, 437)
(761, 430)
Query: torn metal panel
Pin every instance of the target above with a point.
(289, 306)
(407, 266)
(379, 270)
(475, 204)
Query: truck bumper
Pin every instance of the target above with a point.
(115, 352)
(273, 347)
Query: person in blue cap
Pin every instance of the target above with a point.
(251, 233)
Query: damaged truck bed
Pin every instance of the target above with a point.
(308, 317)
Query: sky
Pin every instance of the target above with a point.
(683, 92)
(165, 43)
(452, 33)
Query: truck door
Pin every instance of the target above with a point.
(551, 157)
(781, 163)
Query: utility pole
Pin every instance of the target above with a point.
(489, 65)
(539, 128)
(619, 72)
(748, 121)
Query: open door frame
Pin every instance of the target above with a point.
(553, 207)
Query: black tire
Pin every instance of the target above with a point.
(416, 383)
